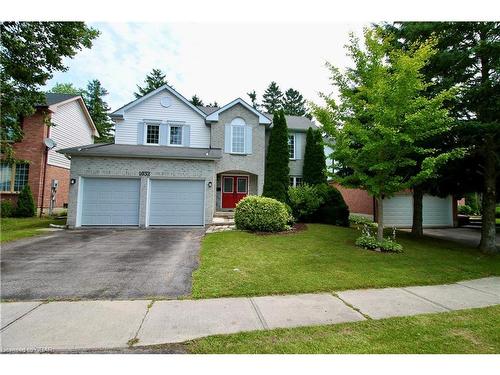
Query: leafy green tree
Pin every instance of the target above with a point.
(314, 170)
(153, 80)
(99, 109)
(294, 104)
(272, 98)
(468, 55)
(25, 203)
(276, 179)
(196, 101)
(253, 97)
(382, 116)
(65, 88)
(30, 52)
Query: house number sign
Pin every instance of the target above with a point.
(144, 173)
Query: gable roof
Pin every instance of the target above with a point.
(297, 122)
(120, 111)
(54, 100)
(263, 119)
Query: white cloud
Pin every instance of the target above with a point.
(215, 61)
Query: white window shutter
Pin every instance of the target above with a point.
(186, 136)
(140, 133)
(227, 138)
(248, 139)
(298, 146)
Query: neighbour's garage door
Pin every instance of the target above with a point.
(398, 211)
(176, 202)
(110, 201)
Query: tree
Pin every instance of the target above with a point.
(196, 101)
(30, 53)
(99, 109)
(272, 98)
(468, 55)
(153, 80)
(65, 88)
(276, 179)
(294, 104)
(253, 97)
(382, 116)
(213, 105)
(314, 170)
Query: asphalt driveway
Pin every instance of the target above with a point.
(101, 264)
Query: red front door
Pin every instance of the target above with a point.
(234, 188)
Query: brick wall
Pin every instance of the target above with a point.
(358, 200)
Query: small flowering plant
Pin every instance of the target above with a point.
(370, 242)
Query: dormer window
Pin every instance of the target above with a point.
(153, 134)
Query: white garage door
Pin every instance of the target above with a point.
(110, 201)
(176, 202)
(398, 211)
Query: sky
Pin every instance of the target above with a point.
(218, 62)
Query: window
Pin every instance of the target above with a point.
(295, 181)
(153, 134)
(176, 135)
(242, 185)
(291, 146)
(228, 185)
(20, 173)
(238, 135)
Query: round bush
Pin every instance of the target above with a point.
(261, 214)
(7, 209)
(334, 210)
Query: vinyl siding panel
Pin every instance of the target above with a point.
(151, 109)
(71, 129)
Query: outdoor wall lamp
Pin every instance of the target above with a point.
(209, 184)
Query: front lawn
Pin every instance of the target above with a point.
(15, 228)
(323, 258)
(466, 331)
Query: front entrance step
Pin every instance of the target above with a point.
(224, 214)
(222, 220)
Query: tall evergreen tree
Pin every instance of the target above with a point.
(196, 101)
(468, 55)
(314, 170)
(153, 80)
(213, 105)
(253, 98)
(272, 98)
(99, 109)
(66, 88)
(30, 53)
(277, 172)
(294, 104)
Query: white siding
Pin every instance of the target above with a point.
(151, 109)
(71, 128)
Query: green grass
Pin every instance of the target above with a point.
(16, 228)
(466, 331)
(324, 258)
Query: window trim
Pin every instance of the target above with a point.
(182, 135)
(146, 133)
(238, 178)
(294, 146)
(224, 185)
(294, 179)
(240, 126)
(13, 179)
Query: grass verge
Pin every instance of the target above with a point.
(16, 228)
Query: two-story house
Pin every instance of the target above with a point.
(174, 163)
(65, 120)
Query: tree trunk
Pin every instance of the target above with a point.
(488, 229)
(417, 225)
(380, 218)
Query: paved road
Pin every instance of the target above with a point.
(101, 264)
(105, 325)
(466, 236)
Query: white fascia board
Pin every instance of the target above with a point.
(262, 118)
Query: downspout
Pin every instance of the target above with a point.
(46, 159)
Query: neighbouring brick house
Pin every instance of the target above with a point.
(62, 118)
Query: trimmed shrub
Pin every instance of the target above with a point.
(261, 214)
(465, 210)
(358, 222)
(334, 210)
(25, 203)
(7, 209)
(386, 245)
(304, 201)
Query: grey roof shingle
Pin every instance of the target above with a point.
(207, 110)
(53, 98)
(297, 122)
(143, 151)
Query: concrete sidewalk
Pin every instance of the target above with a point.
(83, 325)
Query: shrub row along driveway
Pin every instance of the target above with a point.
(101, 264)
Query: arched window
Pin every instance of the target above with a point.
(238, 135)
